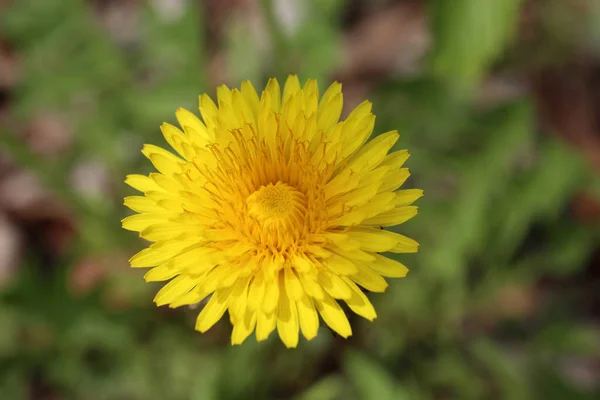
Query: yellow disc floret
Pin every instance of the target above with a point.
(278, 205)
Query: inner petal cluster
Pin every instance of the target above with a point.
(277, 205)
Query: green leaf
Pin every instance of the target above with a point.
(328, 388)
(483, 178)
(469, 35)
(558, 174)
(370, 378)
(244, 55)
(10, 329)
(508, 374)
(566, 338)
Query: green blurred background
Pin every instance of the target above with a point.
(497, 100)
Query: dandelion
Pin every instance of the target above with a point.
(273, 209)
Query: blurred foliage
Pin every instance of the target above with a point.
(494, 218)
(484, 28)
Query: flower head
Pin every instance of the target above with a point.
(273, 209)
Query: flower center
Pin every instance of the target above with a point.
(278, 204)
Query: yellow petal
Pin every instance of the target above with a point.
(243, 328)
(308, 317)
(291, 87)
(360, 111)
(290, 110)
(213, 310)
(393, 217)
(385, 266)
(150, 149)
(239, 297)
(174, 289)
(158, 196)
(293, 287)
(355, 133)
(381, 203)
(303, 264)
(394, 179)
(405, 245)
(250, 96)
(330, 112)
(257, 291)
(369, 279)
(195, 140)
(343, 182)
(265, 324)
(223, 94)
(311, 97)
(242, 108)
(342, 240)
(340, 265)
(169, 230)
(359, 302)
(192, 297)
(311, 287)
(395, 159)
(346, 219)
(334, 316)
(159, 252)
(407, 197)
(270, 131)
(139, 222)
(168, 183)
(274, 93)
(161, 273)
(195, 130)
(332, 91)
(372, 239)
(233, 275)
(357, 197)
(141, 183)
(196, 260)
(271, 297)
(371, 155)
(353, 254)
(173, 136)
(141, 204)
(310, 130)
(334, 285)
(208, 110)
(164, 165)
(287, 320)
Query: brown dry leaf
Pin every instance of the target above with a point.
(586, 207)
(390, 41)
(580, 371)
(510, 301)
(11, 243)
(87, 274)
(120, 19)
(22, 195)
(516, 301)
(48, 134)
(91, 179)
(498, 89)
(393, 39)
(9, 69)
(58, 235)
(566, 102)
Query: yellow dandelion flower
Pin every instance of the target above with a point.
(273, 209)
